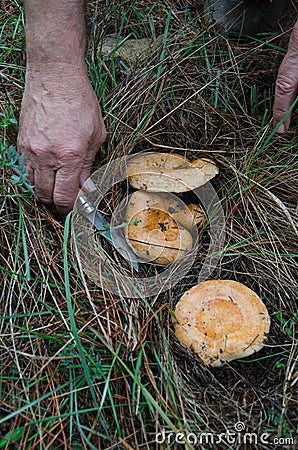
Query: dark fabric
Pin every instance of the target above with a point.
(246, 16)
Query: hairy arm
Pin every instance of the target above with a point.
(61, 126)
(286, 83)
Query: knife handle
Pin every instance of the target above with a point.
(85, 204)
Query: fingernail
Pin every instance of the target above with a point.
(282, 128)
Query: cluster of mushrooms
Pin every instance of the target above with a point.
(220, 320)
(160, 225)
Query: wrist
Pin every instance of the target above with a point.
(55, 70)
(55, 47)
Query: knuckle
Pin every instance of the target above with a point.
(38, 151)
(100, 136)
(285, 86)
(22, 144)
(69, 157)
(103, 135)
(34, 150)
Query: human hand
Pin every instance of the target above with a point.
(60, 131)
(286, 83)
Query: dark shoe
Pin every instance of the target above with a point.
(245, 16)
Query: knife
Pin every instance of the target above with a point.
(89, 211)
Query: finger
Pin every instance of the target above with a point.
(44, 180)
(285, 93)
(66, 187)
(286, 83)
(86, 169)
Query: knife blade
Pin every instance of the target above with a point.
(89, 211)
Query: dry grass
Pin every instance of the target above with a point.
(80, 369)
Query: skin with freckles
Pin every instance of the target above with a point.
(61, 126)
(286, 83)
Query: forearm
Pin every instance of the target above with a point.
(55, 33)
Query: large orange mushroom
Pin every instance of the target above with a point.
(221, 320)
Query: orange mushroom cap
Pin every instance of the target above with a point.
(154, 229)
(221, 320)
(167, 172)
